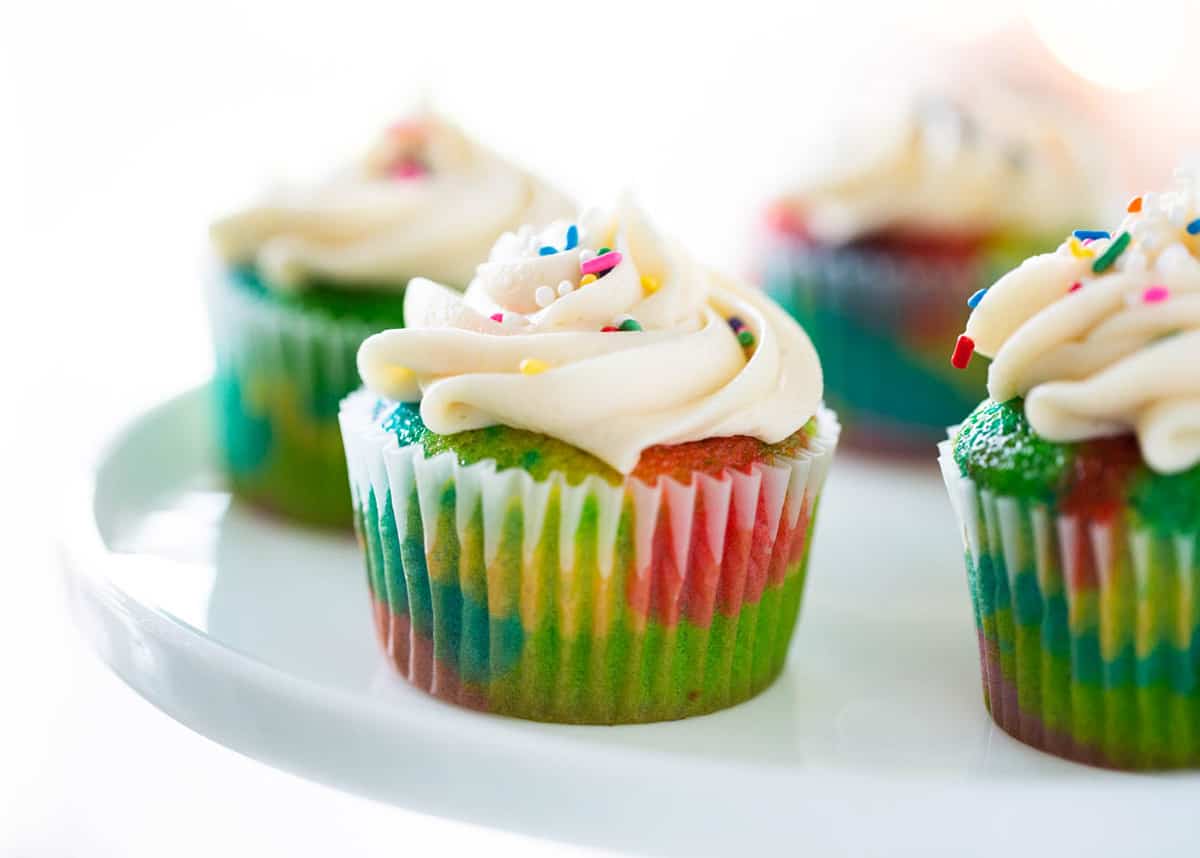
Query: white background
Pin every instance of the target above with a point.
(129, 125)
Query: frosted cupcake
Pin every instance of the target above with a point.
(877, 251)
(586, 488)
(1078, 488)
(311, 272)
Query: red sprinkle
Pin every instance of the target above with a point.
(609, 329)
(963, 349)
(1135, 205)
(497, 317)
(1076, 286)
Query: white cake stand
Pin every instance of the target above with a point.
(258, 635)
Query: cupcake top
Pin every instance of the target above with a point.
(601, 334)
(977, 163)
(424, 200)
(1102, 336)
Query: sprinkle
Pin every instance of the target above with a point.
(1135, 205)
(587, 280)
(533, 366)
(963, 349)
(603, 251)
(544, 296)
(1110, 256)
(650, 284)
(1156, 294)
(1078, 250)
(736, 323)
(974, 300)
(1090, 234)
(602, 262)
(609, 329)
(746, 339)
(1193, 228)
(547, 250)
(585, 255)
(1076, 286)
(629, 325)
(497, 317)
(565, 288)
(399, 376)
(408, 169)
(572, 238)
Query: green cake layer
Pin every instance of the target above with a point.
(541, 455)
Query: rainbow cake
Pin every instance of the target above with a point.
(311, 272)
(586, 488)
(1077, 485)
(878, 248)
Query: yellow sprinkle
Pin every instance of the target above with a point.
(650, 284)
(533, 366)
(1078, 250)
(398, 376)
(587, 279)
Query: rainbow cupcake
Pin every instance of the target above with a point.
(1078, 489)
(311, 272)
(876, 252)
(586, 488)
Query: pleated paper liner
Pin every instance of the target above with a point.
(1089, 630)
(587, 603)
(880, 319)
(281, 374)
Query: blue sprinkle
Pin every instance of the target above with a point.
(974, 300)
(1084, 234)
(547, 251)
(736, 323)
(1193, 228)
(572, 237)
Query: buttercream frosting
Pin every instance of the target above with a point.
(657, 350)
(980, 162)
(1102, 337)
(424, 200)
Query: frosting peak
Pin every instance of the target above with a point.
(1102, 336)
(974, 162)
(601, 334)
(424, 200)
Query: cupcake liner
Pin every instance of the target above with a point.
(1088, 628)
(280, 374)
(881, 320)
(587, 603)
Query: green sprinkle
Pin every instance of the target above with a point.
(629, 325)
(1110, 256)
(603, 251)
(746, 339)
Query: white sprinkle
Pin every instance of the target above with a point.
(565, 288)
(585, 255)
(544, 296)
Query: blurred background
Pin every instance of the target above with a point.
(131, 125)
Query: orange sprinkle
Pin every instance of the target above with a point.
(1135, 205)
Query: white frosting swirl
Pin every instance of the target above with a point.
(683, 377)
(1121, 352)
(985, 162)
(425, 201)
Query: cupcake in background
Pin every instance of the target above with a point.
(1077, 485)
(587, 486)
(310, 272)
(916, 210)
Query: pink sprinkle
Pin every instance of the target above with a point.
(601, 263)
(1087, 241)
(497, 317)
(1075, 287)
(1156, 294)
(407, 170)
